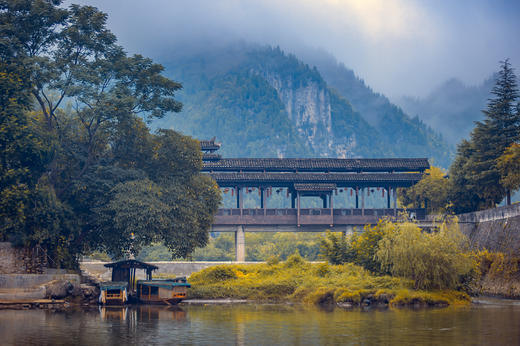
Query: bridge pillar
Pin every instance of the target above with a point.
(363, 201)
(395, 201)
(240, 244)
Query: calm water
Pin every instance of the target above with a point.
(493, 323)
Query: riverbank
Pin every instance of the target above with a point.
(295, 280)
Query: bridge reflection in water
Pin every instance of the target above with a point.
(350, 180)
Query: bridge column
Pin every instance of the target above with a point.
(357, 198)
(395, 201)
(388, 197)
(298, 211)
(363, 201)
(240, 244)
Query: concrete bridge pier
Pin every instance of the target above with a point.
(240, 244)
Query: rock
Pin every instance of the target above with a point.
(345, 305)
(89, 294)
(58, 289)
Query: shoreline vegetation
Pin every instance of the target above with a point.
(295, 280)
(392, 264)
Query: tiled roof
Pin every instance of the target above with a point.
(341, 179)
(210, 145)
(211, 157)
(314, 187)
(319, 164)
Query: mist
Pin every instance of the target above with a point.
(398, 47)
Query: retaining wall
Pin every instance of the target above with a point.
(495, 229)
(34, 280)
(21, 260)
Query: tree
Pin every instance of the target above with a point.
(101, 164)
(335, 249)
(509, 168)
(489, 139)
(22, 153)
(434, 260)
(462, 194)
(432, 190)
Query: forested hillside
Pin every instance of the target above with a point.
(261, 102)
(452, 108)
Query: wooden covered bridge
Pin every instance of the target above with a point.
(313, 194)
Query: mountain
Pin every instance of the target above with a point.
(261, 102)
(452, 108)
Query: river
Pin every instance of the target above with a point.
(491, 322)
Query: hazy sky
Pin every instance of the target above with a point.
(398, 46)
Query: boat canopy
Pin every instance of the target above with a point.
(166, 283)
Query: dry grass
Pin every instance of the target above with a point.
(315, 283)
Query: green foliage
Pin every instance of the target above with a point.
(89, 175)
(477, 159)
(366, 244)
(218, 273)
(335, 249)
(262, 246)
(434, 260)
(317, 283)
(295, 260)
(509, 167)
(273, 260)
(359, 248)
(432, 190)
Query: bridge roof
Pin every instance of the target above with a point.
(318, 164)
(231, 179)
(209, 145)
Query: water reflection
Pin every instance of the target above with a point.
(141, 313)
(495, 323)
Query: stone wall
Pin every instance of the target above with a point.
(495, 229)
(21, 260)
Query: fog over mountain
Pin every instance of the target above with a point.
(399, 47)
(452, 108)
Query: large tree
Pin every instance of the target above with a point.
(103, 164)
(489, 140)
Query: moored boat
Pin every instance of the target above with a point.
(162, 291)
(113, 293)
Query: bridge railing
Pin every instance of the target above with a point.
(286, 216)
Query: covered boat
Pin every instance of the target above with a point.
(113, 293)
(166, 291)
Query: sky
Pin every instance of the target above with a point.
(399, 47)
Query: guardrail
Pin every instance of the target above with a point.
(309, 216)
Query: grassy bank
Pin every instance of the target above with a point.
(314, 283)
(498, 274)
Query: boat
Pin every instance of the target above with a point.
(113, 293)
(162, 291)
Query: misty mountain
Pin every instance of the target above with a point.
(261, 102)
(404, 135)
(452, 108)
